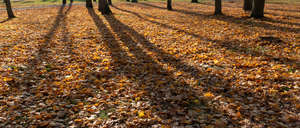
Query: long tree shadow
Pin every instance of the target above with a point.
(148, 68)
(280, 22)
(31, 80)
(170, 97)
(3, 21)
(46, 43)
(233, 45)
(284, 10)
(285, 16)
(229, 19)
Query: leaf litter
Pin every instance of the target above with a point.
(145, 66)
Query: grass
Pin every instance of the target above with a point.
(25, 3)
(29, 3)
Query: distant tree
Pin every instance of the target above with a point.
(248, 5)
(169, 4)
(194, 1)
(10, 13)
(64, 2)
(109, 2)
(134, 1)
(89, 4)
(103, 7)
(258, 9)
(218, 7)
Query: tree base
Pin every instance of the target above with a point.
(218, 13)
(194, 1)
(247, 10)
(257, 17)
(106, 12)
(11, 17)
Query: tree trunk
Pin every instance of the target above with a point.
(169, 4)
(258, 9)
(218, 7)
(71, 1)
(109, 2)
(134, 1)
(103, 7)
(64, 2)
(10, 13)
(248, 5)
(89, 4)
(128, 0)
(194, 1)
(95, 0)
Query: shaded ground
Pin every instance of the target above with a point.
(145, 66)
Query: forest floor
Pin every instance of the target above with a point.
(145, 66)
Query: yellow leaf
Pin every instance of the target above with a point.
(209, 94)
(7, 79)
(78, 120)
(96, 58)
(105, 60)
(165, 126)
(137, 98)
(196, 101)
(141, 114)
(178, 73)
(216, 61)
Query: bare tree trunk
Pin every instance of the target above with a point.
(103, 7)
(169, 4)
(218, 7)
(89, 4)
(194, 1)
(258, 9)
(134, 1)
(248, 5)
(64, 2)
(10, 13)
(109, 2)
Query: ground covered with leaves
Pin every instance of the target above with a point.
(145, 66)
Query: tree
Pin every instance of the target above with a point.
(258, 9)
(89, 4)
(109, 2)
(95, 0)
(71, 1)
(64, 2)
(194, 1)
(10, 13)
(169, 4)
(248, 5)
(218, 7)
(103, 7)
(134, 1)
